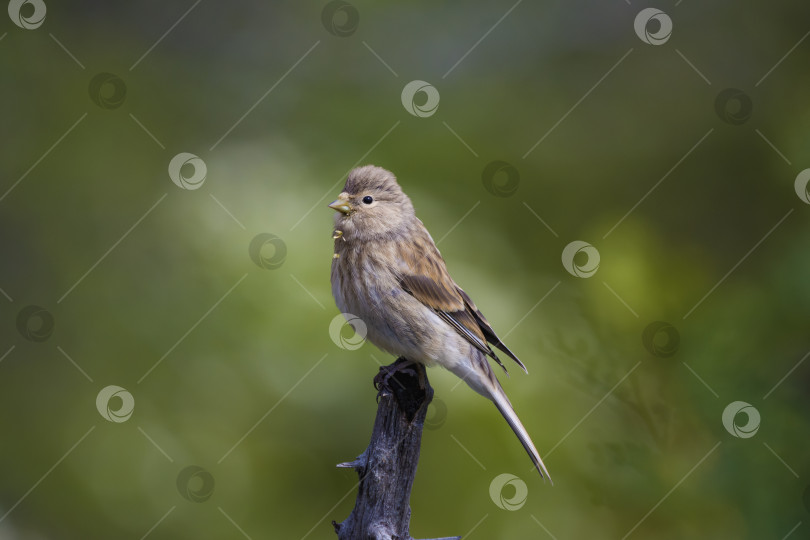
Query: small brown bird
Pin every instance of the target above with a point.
(387, 271)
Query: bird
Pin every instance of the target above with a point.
(388, 272)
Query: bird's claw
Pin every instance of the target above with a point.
(386, 373)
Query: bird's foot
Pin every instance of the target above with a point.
(410, 387)
(387, 373)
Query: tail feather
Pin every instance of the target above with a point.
(502, 402)
(478, 374)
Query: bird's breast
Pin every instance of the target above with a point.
(365, 285)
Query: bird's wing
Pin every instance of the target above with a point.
(423, 274)
(487, 330)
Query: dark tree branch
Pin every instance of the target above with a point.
(387, 467)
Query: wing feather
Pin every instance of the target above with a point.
(423, 274)
(488, 331)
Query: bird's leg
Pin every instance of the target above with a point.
(387, 372)
(402, 365)
(412, 390)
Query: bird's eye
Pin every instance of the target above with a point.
(368, 199)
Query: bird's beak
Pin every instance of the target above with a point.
(341, 205)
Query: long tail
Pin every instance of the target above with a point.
(498, 396)
(478, 374)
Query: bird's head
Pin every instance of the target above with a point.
(372, 205)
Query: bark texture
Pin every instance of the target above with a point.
(387, 467)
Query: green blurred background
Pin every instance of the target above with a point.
(250, 387)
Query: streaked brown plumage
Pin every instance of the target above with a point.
(387, 270)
